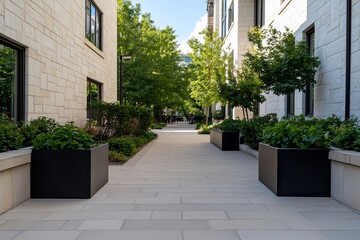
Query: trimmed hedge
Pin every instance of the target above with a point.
(115, 120)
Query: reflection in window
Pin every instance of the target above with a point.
(309, 92)
(223, 21)
(93, 23)
(11, 82)
(93, 95)
(290, 111)
(231, 14)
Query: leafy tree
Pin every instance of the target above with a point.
(207, 70)
(153, 76)
(245, 91)
(282, 63)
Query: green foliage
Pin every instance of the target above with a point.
(252, 131)
(348, 137)
(282, 63)
(297, 132)
(207, 70)
(205, 129)
(64, 137)
(199, 125)
(153, 76)
(229, 125)
(218, 114)
(245, 91)
(121, 149)
(10, 136)
(117, 120)
(158, 125)
(117, 158)
(125, 145)
(35, 127)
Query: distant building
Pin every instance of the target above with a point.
(232, 20)
(58, 56)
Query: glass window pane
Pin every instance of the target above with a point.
(92, 34)
(8, 83)
(97, 39)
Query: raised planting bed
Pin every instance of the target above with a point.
(295, 172)
(226, 141)
(345, 177)
(14, 178)
(68, 173)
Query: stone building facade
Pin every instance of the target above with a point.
(64, 56)
(324, 26)
(326, 23)
(232, 20)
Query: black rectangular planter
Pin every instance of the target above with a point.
(226, 141)
(295, 172)
(68, 173)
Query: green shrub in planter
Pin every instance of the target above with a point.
(229, 125)
(218, 114)
(252, 131)
(205, 130)
(125, 145)
(10, 136)
(64, 137)
(199, 125)
(35, 127)
(348, 137)
(297, 132)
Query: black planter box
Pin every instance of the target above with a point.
(226, 141)
(295, 172)
(68, 173)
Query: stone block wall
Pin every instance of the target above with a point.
(59, 59)
(329, 20)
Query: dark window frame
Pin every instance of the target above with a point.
(20, 78)
(290, 104)
(100, 87)
(231, 15)
(259, 13)
(97, 41)
(223, 18)
(309, 91)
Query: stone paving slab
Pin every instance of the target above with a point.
(181, 187)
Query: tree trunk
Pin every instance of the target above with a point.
(247, 114)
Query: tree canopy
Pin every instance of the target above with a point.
(153, 76)
(207, 70)
(282, 63)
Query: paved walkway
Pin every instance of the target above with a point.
(180, 187)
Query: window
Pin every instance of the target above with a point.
(309, 92)
(290, 104)
(223, 21)
(12, 92)
(260, 12)
(93, 95)
(93, 23)
(231, 14)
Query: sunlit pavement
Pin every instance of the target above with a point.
(182, 187)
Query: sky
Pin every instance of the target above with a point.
(186, 17)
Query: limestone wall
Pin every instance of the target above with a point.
(59, 58)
